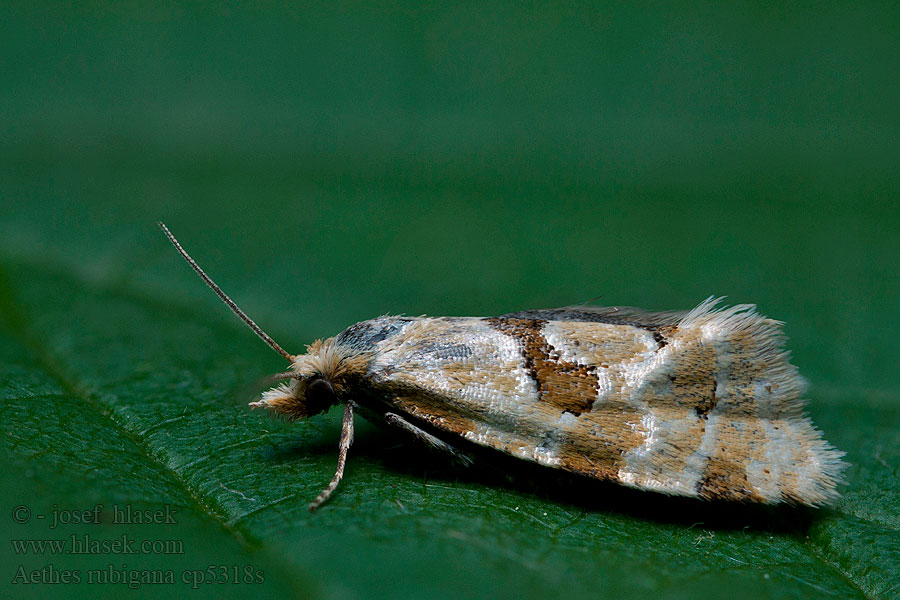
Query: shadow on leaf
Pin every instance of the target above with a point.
(498, 470)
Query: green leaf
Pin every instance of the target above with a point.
(469, 166)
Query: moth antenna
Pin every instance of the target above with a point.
(343, 446)
(224, 297)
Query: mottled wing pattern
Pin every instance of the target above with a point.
(703, 403)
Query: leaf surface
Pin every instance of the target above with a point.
(328, 166)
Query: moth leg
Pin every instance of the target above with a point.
(343, 447)
(396, 420)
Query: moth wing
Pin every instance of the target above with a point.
(708, 407)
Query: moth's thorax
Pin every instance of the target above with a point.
(367, 336)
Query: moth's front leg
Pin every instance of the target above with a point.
(395, 420)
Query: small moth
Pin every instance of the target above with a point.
(702, 403)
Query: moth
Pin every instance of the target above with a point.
(702, 403)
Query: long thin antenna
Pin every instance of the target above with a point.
(224, 297)
(343, 446)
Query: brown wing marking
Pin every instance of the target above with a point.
(568, 386)
(596, 444)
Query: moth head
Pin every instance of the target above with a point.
(317, 381)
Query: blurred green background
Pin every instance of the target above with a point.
(332, 162)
